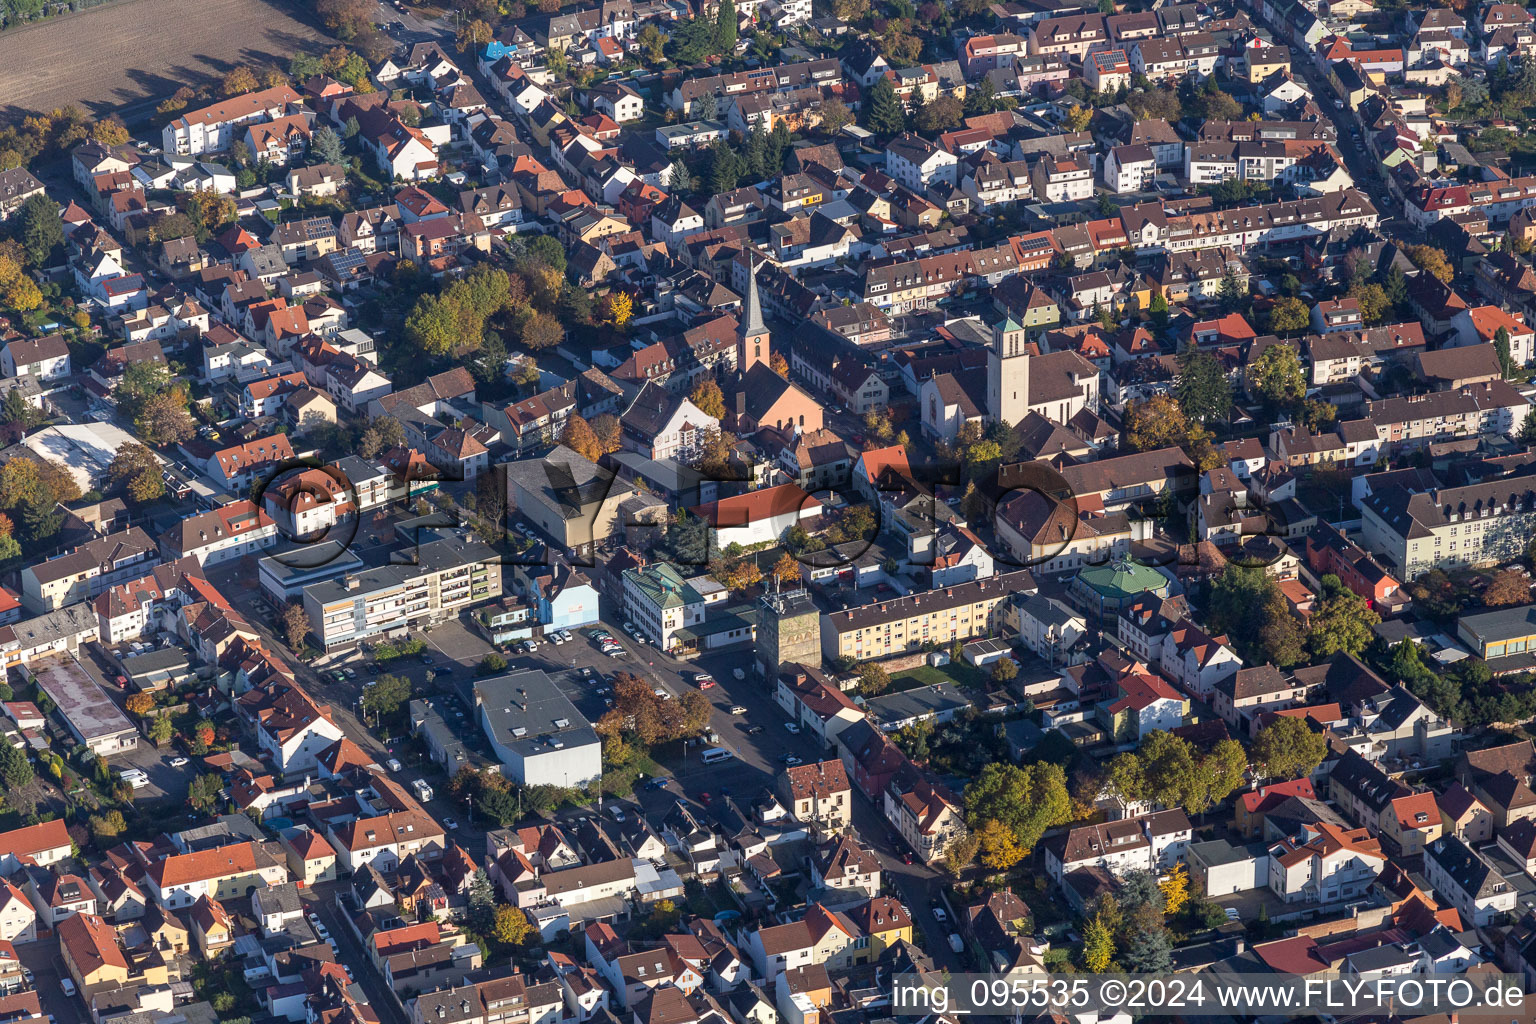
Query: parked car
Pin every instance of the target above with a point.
(792, 728)
(392, 764)
(450, 824)
(790, 760)
(737, 709)
(737, 674)
(704, 681)
(178, 762)
(938, 913)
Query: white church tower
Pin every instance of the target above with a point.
(1007, 373)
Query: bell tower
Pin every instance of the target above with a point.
(1007, 373)
(751, 334)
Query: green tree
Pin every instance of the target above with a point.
(135, 471)
(15, 768)
(386, 695)
(40, 231)
(1281, 637)
(725, 26)
(1501, 347)
(1289, 315)
(1203, 390)
(873, 680)
(160, 729)
(1148, 951)
(1373, 300)
(725, 167)
(1528, 428)
(1027, 800)
(1342, 622)
(1288, 748)
(327, 146)
(1277, 377)
(884, 115)
(203, 792)
(482, 902)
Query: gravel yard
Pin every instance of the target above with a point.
(135, 53)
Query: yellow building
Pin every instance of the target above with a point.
(942, 616)
(885, 921)
(90, 951)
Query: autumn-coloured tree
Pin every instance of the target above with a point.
(542, 331)
(140, 703)
(110, 131)
(786, 570)
(620, 308)
(708, 397)
(579, 438)
(742, 575)
(512, 927)
(1509, 587)
(473, 35)
(23, 295)
(1430, 260)
(239, 80)
(1175, 890)
(295, 624)
(610, 434)
(779, 365)
(999, 849)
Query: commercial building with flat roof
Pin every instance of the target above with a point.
(451, 572)
(285, 574)
(84, 705)
(535, 731)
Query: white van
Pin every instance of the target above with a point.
(135, 777)
(714, 754)
(423, 791)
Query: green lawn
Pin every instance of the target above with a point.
(960, 674)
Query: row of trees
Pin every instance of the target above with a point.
(1169, 770)
(640, 716)
(1246, 605)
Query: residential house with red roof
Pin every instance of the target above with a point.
(291, 727)
(1196, 661)
(237, 467)
(179, 880)
(1143, 703)
(759, 517)
(1249, 810)
(1464, 816)
(1325, 864)
(926, 814)
(231, 531)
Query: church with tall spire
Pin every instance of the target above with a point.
(762, 399)
(752, 341)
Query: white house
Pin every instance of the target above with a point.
(1325, 864)
(918, 163)
(214, 128)
(1468, 880)
(44, 358)
(1130, 168)
(758, 517)
(1195, 661)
